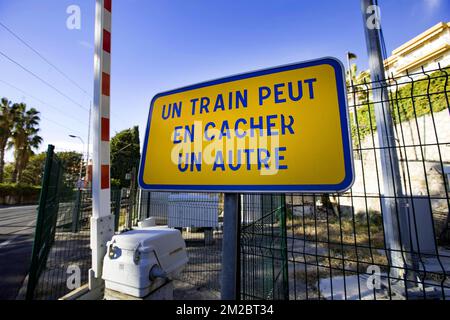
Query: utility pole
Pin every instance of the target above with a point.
(394, 203)
(102, 221)
(88, 141)
(81, 160)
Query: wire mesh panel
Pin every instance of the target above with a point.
(124, 206)
(46, 219)
(69, 258)
(337, 244)
(331, 251)
(199, 217)
(263, 247)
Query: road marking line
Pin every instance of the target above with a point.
(21, 207)
(4, 244)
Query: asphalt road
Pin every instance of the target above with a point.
(16, 240)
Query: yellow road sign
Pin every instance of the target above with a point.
(283, 129)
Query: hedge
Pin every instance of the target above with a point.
(407, 102)
(18, 193)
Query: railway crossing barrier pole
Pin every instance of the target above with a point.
(102, 221)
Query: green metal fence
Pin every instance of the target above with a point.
(263, 248)
(46, 219)
(69, 254)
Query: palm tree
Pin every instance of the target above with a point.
(7, 117)
(354, 74)
(360, 82)
(24, 138)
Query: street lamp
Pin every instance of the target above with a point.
(81, 160)
(350, 56)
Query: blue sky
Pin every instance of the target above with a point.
(164, 44)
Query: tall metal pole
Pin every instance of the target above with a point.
(88, 140)
(81, 160)
(102, 221)
(81, 169)
(230, 247)
(395, 214)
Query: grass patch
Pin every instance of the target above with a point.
(351, 245)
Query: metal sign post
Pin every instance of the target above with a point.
(230, 248)
(102, 222)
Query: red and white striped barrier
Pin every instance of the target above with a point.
(105, 68)
(102, 222)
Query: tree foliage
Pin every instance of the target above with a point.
(7, 117)
(71, 161)
(24, 137)
(125, 154)
(32, 175)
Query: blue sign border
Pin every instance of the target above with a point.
(315, 188)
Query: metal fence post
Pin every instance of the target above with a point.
(117, 208)
(284, 252)
(230, 248)
(149, 194)
(36, 256)
(76, 212)
(132, 199)
(395, 217)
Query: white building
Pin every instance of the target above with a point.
(426, 50)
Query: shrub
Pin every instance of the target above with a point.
(115, 183)
(12, 189)
(20, 193)
(414, 99)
